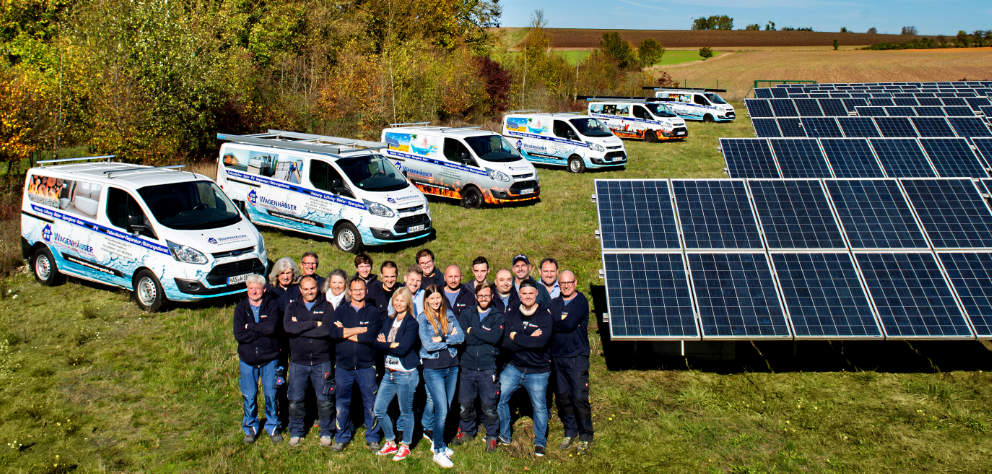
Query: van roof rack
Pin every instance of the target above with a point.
(306, 142)
(623, 98)
(140, 169)
(655, 88)
(455, 129)
(525, 111)
(408, 124)
(107, 158)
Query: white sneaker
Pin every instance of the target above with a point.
(294, 441)
(441, 459)
(448, 452)
(325, 440)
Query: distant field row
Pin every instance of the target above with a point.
(589, 38)
(671, 56)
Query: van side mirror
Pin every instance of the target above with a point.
(135, 224)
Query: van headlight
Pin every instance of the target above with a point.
(498, 175)
(597, 147)
(186, 254)
(378, 209)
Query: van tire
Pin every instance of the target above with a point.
(148, 293)
(707, 118)
(44, 268)
(347, 238)
(650, 136)
(575, 164)
(471, 197)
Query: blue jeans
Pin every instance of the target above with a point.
(250, 376)
(484, 385)
(345, 380)
(402, 385)
(441, 388)
(572, 385)
(300, 377)
(536, 384)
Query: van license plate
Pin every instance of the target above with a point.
(237, 279)
(680, 132)
(416, 228)
(527, 191)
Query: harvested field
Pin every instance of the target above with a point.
(589, 38)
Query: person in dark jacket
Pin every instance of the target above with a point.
(399, 339)
(381, 292)
(355, 327)
(256, 320)
(521, 272)
(425, 260)
(505, 295)
(363, 270)
(440, 334)
(570, 361)
(527, 330)
(307, 323)
(282, 279)
(459, 296)
(308, 267)
(483, 327)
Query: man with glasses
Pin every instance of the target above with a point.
(308, 267)
(425, 260)
(570, 362)
(483, 325)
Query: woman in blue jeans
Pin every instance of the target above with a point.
(439, 333)
(399, 340)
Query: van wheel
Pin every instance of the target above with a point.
(707, 118)
(347, 238)
(148, 291)
(575, 164)
(471, 197)
(45, 269)
(650, 136)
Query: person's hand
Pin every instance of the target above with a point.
(363, 330)
(381, 338)
(469, 330)
(536, 333)
(338, 324)
(513, 335)
(453, 331)
(436, 338)
(353, 338)
(563, 317)
(394, 345)
(293, 319)
(246, 325)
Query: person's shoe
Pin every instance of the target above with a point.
(338, 447)
(248, 439)
(387, 449)
(582, 446)
(504, 442)
(294, 441)
(402, 453)
(275, 437)
(442, 460)
(539, 451)
(429, 436)
(566, 443)
(448, 452)
(491, 445)
(462, 438)
(325, 440)
(373, 446)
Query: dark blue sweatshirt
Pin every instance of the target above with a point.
(528, 353)
(258, 343)
(514, 300)
(408, 335)
(464, 299)
(570, 337)
(309, 344)
(361, 354)
(482, 341)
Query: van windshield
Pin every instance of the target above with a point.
(190, 205)
(372, 173)
(591, 127)
(715, 98)
(493, 148)
(659, 110)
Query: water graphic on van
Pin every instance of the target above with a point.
(537, 126)
(516, 124)
(422, 145)
(398, 141)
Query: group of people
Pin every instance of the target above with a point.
(484, 340)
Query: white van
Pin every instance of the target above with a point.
(697, 104)
(320, 185)
(163, 233)
(565, 139)
(463, 163)
(642, 119)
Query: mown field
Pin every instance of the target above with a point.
(671, 56)
(589, 38)
(89, 383)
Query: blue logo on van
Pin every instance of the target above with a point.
(252, 196)
(212, 240)
(46, 233)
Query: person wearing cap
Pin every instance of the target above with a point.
(527, 330)
(521, 272)
(425, 260)
(570, 362)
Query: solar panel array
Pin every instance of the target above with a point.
(798, 258)
(872, 107)
(871, 126)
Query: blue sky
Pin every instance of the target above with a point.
(929, 17)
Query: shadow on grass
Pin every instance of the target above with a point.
(788, 356)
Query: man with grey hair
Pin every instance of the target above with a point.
(256, 328)
(570, 362)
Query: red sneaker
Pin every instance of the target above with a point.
(402, 453)
(387, 449)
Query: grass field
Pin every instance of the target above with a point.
(671, 56)
(589, 38)
(89, 383)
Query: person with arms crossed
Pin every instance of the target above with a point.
(477, 374)
(399, 339)
(570, 361)
(439, 334)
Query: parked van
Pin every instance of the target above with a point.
(464, 163)
(697, 104)
(565, 139)
(320, 185)
(642, 119)
(162, 233)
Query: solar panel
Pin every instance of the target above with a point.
(871, 111)
(976, 103)
(959, 111)
(795, 214)
(851, 158)
(911, 296)
(824, 296)
(902, 158)
(900, 111)
(780, 92)
(649, 297)
(758, 108)
(987, 111)
(783, 107)
(763, 93)
(953, 157)
(716, 214)
(766, 127)
(808, 108)
(930, 101)
(895, 127)
(875, 215)
(748, 158)
(791, 127)
(932, 127)
(953, 213)
(929, 111)
(969, 127)
(881, 102)
(970, 275)
(858, 127)
(905, 101)
(800, 158)
(954, 101)
(736, 296)
(852, 103)
(821, 127)
(984, 146)
(832, 107)
(636, 215)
